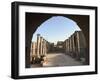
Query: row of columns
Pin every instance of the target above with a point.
(75, 45)
(38, 48)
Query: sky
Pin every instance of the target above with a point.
(57, 28)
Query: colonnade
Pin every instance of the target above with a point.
(75, 45)
(38, 48)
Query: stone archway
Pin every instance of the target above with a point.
(35, 20)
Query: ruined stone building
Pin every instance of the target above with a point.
(75, 46)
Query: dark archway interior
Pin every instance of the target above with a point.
(33, 20)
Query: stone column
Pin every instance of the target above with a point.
(45, 47)
(65, 46)
(38, 45)
(78, 46)
(78, 41)
(41, 45)
(73, 46)
(33, 51)
(73, 43)
(68, 45)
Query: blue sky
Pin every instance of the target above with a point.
(57, 28)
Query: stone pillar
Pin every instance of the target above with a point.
(38, 45)
(73, 46)
(73, 41)
(78, 46)
(68, 45)
(41, 45)
(32, 52)
(45, 48)
(65, 46)
(78, 41)
(48, 46)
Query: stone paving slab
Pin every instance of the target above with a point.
(60, 59)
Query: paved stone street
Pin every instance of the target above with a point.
(59, 59)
